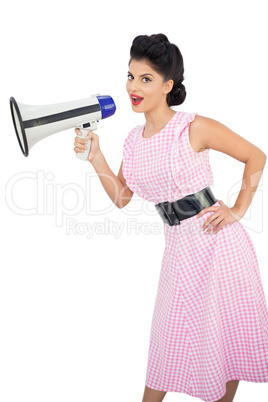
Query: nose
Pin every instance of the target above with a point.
(133, 86)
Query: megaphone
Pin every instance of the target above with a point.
(33, 123)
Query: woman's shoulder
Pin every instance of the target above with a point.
(183, 121)
(130, 139)
(133, 133)
(186, 116)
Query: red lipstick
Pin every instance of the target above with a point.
(136, 100)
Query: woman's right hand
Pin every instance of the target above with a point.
(80, 144)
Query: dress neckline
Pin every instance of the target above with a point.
(159, 132)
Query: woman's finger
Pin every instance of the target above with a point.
(80, 140)
(80, 146)
(207, 209)
(76, 149)
(211, 220)
(78, 132)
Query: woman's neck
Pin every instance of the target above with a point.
(157, 119)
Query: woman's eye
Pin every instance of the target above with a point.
(144, 79)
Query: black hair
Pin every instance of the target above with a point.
(165, 58)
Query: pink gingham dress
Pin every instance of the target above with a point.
(210, 320)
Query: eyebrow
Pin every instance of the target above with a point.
(142, 74)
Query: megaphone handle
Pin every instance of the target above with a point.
(84, 155)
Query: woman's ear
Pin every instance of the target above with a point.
(168, 86)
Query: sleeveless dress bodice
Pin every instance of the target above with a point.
(165, 167)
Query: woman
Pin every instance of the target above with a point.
(210, 322)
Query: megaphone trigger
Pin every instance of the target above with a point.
(85, 128)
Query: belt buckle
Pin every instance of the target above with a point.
(167, 213)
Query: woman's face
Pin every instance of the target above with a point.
(146, 88)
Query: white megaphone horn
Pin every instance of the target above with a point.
(33, 123)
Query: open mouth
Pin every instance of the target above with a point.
(136, 100)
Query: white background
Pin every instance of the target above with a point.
(76, 307)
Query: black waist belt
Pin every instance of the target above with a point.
(175, 212)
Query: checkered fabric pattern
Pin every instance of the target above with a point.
(210, 320)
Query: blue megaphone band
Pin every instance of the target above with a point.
(107, 105)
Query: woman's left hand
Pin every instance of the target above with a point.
(222, 216)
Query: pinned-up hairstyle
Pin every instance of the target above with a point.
(165, 58)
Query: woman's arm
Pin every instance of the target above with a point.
(115, 186)
(210, 133)
(126, 192)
